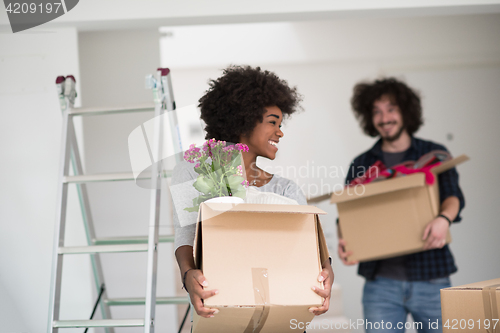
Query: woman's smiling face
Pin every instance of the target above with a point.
(263, 141)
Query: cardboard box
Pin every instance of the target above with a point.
(263, 259)
(387, 218)
(472, 307)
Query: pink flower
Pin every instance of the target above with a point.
(212, 143)
(242, 147)
(239, 170)
(197, 165)
(228, 148)
(209, 145)
(192, 154)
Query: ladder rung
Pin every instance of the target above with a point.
(103, 177)
(108, 177)
(98, 323)
(132, 240)
(101, 111)
(142, 301)
(103, 249)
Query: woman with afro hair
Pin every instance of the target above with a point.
(245, 105)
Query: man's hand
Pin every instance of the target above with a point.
(195, 284)
(343, 254)
(435, 233)
(326, 276)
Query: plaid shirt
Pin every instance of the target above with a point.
(429, 264)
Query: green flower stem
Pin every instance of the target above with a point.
(226, 182)
(227, 186)
(209, 174)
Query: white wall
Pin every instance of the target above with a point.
(30, 144)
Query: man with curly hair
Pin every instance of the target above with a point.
(245, 105)
(396, 286)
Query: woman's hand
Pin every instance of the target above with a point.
(195, 284)
(343, 255)
(326, 276)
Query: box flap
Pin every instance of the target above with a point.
(197, 247)
(450, 164)
(260, 208)
(384, 186)
(478, 285)
(252, 319)
(322, 246)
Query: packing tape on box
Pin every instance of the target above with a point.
(491, 307)
(261, 292)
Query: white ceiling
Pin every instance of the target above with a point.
(133, 14)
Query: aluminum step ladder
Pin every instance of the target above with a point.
(163, 98)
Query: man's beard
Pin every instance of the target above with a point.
(395, 136)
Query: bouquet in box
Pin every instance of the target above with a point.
(220, 171)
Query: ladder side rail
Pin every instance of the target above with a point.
(62, 199)
(154, 216)
(169, 105)
(88, 224)
(152, 273)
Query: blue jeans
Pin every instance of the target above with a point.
(387, 302)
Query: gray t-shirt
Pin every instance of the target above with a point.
(183, 193)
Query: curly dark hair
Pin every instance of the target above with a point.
(236, 101)
(408, 100)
